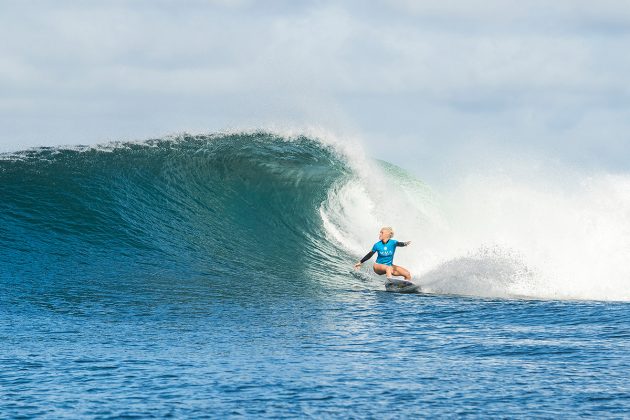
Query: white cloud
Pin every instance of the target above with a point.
(451, 70)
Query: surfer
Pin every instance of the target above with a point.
(385, 248)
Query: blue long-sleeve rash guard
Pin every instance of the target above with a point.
(385, 251)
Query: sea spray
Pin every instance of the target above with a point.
(495, 235)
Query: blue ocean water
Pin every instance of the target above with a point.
(200, 277)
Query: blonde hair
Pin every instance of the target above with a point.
(388, 229)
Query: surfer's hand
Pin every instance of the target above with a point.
(357, 265)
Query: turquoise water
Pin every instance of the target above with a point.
(200, 277)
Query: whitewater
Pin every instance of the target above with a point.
(211, 275)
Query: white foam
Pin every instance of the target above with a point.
(573, 231)
(559, 236)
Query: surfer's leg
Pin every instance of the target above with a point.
(380, 269)
(401, 271)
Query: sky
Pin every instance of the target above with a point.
(419, 83)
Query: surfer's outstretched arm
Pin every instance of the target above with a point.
(403, 243)
(364, 259)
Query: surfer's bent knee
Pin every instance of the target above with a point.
(402, 271)
(380, 269)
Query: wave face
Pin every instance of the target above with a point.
(267, 212)
(240, 207)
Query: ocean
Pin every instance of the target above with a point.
(210, 276)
